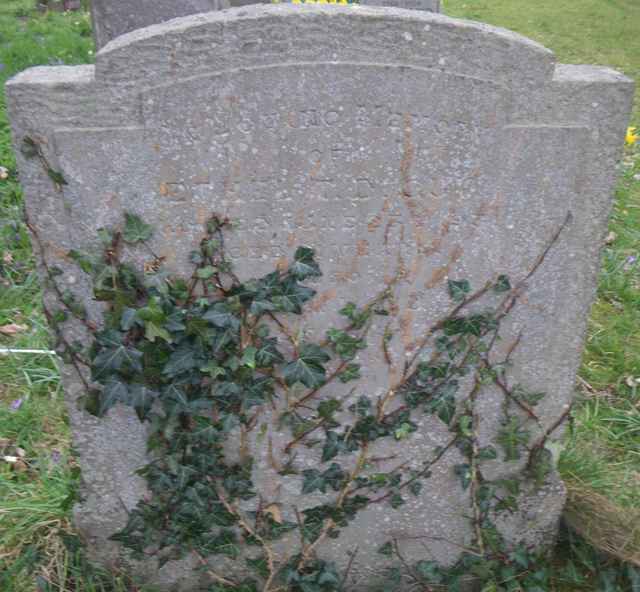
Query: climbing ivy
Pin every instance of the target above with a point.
(201, 359)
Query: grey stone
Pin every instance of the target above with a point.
(389, 141)
(112, 18)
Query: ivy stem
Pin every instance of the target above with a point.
(313, 392)
(547, 434)
(290, 445)
(509, 395)
(475, 474)
(421, 474)
(440, 324)
(329, 524)
(271, 558)
(212, 574)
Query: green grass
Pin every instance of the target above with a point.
(601, 460)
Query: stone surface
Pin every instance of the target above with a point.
(386, 140)
(112, 18)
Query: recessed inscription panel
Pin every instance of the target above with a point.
(383, 170)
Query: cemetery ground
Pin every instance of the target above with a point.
(601, 457)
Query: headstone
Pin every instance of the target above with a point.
(407, 149)
(112, 18)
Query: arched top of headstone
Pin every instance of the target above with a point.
(285, 33)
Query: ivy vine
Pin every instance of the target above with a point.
(200, 358)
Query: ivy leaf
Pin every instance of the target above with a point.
(135, 230)
(114, 355)
(56, 176)
(403, 431)
(308, 369)
(204, 273)
(429, 571)
(444, 404)
(458, 290)
(327, 408)
(361, 407)
(396, 501)
(260, 566)
(335, 444)
(345, 345)
(291, 297)
(328, 578)
(502, 284)
(463, 472)
(415, 487)
(313, 480)
(221, 316)
(224, 543)
(114, 391)
(181, 360)
(87, 263)
(350, 372)
(212, 369)
(333, 477)
(304, 265)
(474, 324)
(487, 453)
(257, 391)
(268, 354)
(142, 398)
(153, 332)
(529, 397)
(512, 438)
(358, 317)
(29, 147)
(127, 318)
(386, 549)
(249, 357)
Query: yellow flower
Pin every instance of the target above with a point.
(631, 137)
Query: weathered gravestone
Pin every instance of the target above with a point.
(112, 18)
(410, 150)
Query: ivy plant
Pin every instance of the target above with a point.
(200, 356)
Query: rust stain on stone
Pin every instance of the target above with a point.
(164, 189)
(291, 239)
(282, 263)
(349, 274)
(112, 200)
(321, 299)
(315, 169)
(406, 323)
(362, 247)
(202, 214)
(436, 243)
(56, 251)
(374, 222)
(439, 273)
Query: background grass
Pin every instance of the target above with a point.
(601, 460)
